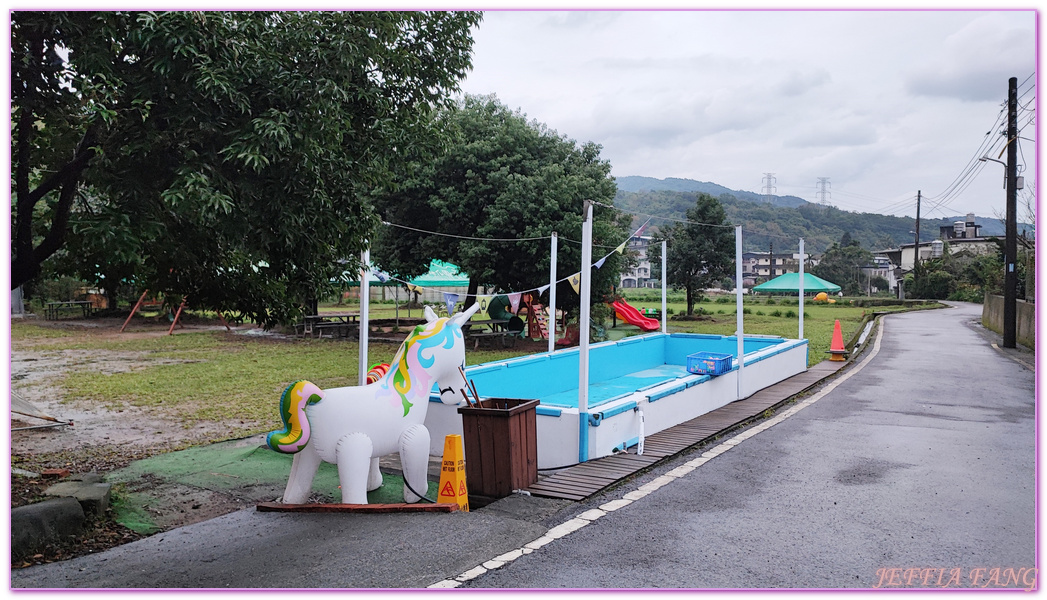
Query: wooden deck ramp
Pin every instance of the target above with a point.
(584, 480)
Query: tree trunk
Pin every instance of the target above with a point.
(470, 299)
(690, 302)
(25, 263)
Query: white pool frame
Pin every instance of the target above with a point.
(565, 439)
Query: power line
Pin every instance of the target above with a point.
(465, 237)
(971, 169)
(640, 214)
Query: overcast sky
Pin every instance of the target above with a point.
(882, 103)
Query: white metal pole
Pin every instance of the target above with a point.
(365, 305)
(552, 294)
(801, 288)
(583, 333)
(738, 304)
(665, 326)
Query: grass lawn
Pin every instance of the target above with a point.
(215, 376)
(209, 376)
(765, 315)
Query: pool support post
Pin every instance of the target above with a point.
(365, 305)
(551, 329)
(801, 288)
(738, 304)
(665, 326)
(583, 331)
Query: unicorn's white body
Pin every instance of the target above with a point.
(352, 427)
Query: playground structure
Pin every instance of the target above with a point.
(353, 426)
(527, 315)
(177, 315)
(633, 316)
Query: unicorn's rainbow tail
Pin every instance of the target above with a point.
(295, 434)
(377, 372)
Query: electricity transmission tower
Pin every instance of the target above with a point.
(823, 183)
(768, 187)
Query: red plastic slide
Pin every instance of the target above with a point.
(630, 315)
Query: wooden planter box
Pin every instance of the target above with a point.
(501, 446)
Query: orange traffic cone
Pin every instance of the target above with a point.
(837, 349)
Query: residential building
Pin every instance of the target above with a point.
(962, 237)
(880, 267)
(640, 275)
(763, 266)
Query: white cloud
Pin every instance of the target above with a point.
(974, 63)
(882, 102)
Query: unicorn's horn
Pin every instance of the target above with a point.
(430, 314)
(467, 314)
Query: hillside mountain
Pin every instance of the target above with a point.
(633, 183)
(783, 221)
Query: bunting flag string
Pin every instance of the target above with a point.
(574, 280)
(450, 299)
(514, 301)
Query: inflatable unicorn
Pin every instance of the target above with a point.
(352, 427)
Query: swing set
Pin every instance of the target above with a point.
(177, 316)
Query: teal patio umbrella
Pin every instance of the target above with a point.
(790, 282)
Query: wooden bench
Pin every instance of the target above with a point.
(84, 306)
(337, 329)
(339, 324)
(502, 335)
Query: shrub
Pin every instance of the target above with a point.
(771, 301)
(790, 314)
(776, 313)
(966, 293)
(759, 313)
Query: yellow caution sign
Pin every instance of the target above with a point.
(452, 474)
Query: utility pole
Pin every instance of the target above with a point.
(916, 258)
(770, 274)
(1010, 282)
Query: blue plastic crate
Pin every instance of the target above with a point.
(709, 363)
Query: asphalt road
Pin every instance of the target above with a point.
(923, 457)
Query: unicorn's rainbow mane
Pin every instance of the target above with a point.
(442, 332)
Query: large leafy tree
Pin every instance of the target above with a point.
(699, 251)
(842, 263)
(226, 156)
(503, 177)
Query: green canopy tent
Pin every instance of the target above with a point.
(790, 282)
(441, 275)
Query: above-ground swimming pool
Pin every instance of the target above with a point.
(637, 386)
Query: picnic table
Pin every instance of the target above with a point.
(337, 323)
(478, 329)
(53, 308)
